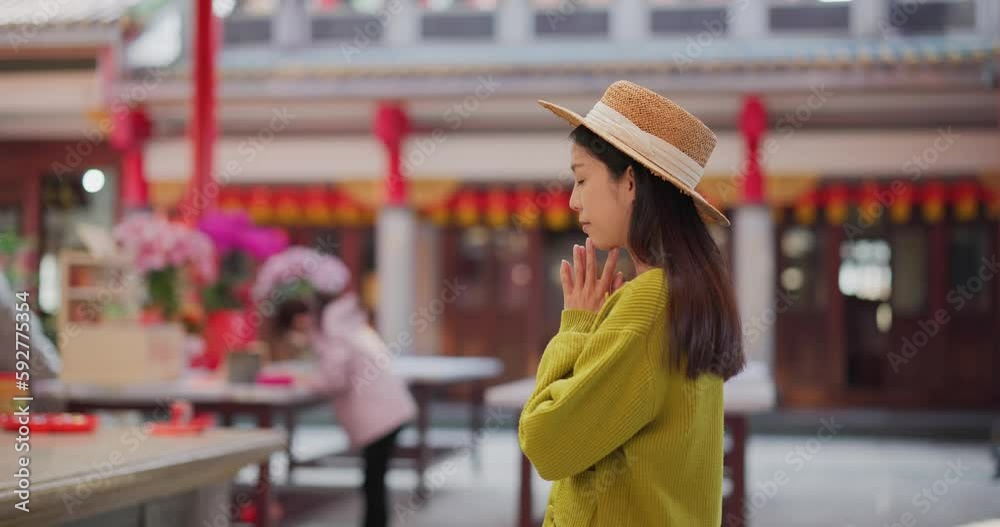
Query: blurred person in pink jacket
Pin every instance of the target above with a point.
(354, 365)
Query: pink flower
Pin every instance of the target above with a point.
(323, 272)
(155, 244)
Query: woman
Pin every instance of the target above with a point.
(626, 417)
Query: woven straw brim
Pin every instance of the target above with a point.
(708, 212)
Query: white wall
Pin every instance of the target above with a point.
(544, 156)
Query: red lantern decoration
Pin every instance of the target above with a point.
(558, 215)
(438, 213)
(288, 207)
(966, 199)
(317, 209)
(497, 207)
(871, 210)
(526, 210)
(232, 199)
(466, 207)
(933, 202)
(902, 205)
(837, 204)
(347, 211)
(806, 208)
(259, 206)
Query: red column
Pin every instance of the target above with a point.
(753, 124)
(132, 129)
(198, 197)
(391, 127)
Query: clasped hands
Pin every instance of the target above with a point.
(582, 287)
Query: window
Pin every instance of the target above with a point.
(802, 272)
(458, 19)
(971, 284)
(340, 20)
(679, 17)
(809, 16)
(472, 260)
(573, 18)
(925, 16)
(909, 271)
(246, 22)
(864, 269)
(515, 281)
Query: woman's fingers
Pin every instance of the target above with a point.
(591, 274)
(566, 276)
(609, 269)
(618, 282)
(578, 266)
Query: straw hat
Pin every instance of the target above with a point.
(654, 131)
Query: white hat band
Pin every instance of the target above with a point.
(664, 154)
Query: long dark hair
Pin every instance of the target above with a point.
(666, 230)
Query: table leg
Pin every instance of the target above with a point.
(290, 425)
(476, 423)
(422, 395)
(524, 518)
(734, 507)
(262, 498)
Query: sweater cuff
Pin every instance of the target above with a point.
(578, 320)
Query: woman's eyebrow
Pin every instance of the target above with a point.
(574, 166)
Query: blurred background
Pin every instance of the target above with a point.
(858, 156)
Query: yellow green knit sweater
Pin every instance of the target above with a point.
(628, 441)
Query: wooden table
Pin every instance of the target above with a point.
(750, 392)
(78, 476)
(425, 376)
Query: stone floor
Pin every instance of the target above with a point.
(793, 480)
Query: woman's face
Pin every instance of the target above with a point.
(604, 206)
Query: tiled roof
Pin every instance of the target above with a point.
(56, 14)
(545, 58)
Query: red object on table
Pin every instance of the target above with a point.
(275, 379)
(194, 426)
(53, 423)
(224, 331)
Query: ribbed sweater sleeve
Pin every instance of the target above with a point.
(593, 392)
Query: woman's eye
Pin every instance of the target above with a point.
(579, 182)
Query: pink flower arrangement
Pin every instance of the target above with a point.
(156, 244)
(322, 272)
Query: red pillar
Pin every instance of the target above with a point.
(132, 129)
(198, 197)
(391, 127)
(753, 124)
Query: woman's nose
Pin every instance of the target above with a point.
(574, 201)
